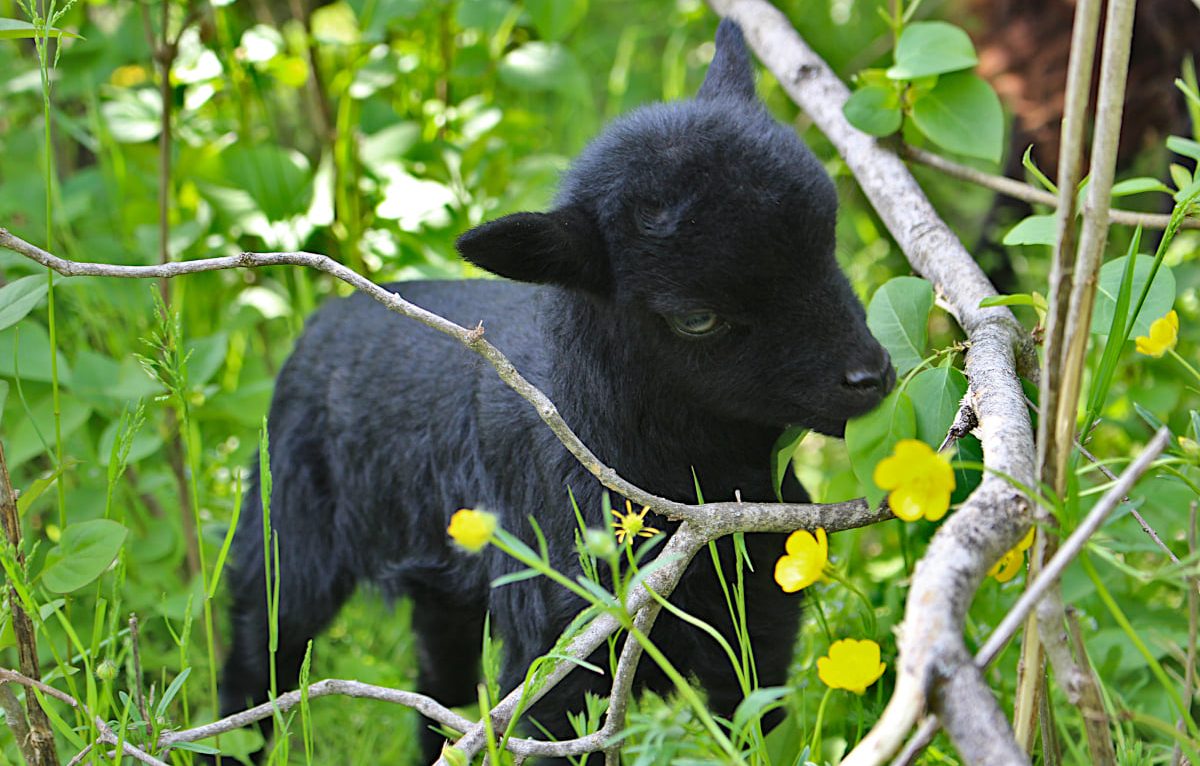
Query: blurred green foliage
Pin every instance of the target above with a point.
(375, 131)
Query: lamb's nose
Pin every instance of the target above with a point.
(866, 379)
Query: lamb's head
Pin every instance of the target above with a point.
(705, 231)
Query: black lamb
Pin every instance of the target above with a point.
(681, 305)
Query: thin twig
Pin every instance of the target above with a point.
(1010, 187)
(139, 693)
(107, 735)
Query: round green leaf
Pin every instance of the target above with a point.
(1159, 300)
(872, 437)
(555, 19)
(898, 315)
(962, 113)
(932, 47)
(85, 551)
(20, 297)
(936, 394)
(873, 109)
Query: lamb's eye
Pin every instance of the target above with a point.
(695, 324)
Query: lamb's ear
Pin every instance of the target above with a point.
(730, 74)
(563, 247)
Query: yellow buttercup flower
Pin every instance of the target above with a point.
(472, 529)
(1010, 563)
(631, 525)
(851, 665)
(805, 560)
(129, 76)
(919, 481)
(1164, 334)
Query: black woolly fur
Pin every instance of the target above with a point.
(381, 429)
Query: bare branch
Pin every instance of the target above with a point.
(107, 735)
(1010, 187)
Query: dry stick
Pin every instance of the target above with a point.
(107, 736)
(1074, 675)
(1189, 673)
(14, 716)
(1093, 702)
(1010, 187)
(139, 693)
(1072, 289)
(995, 516)
(1048, 578)
(39, 736)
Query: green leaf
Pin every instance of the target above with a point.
(962, 113)
(483, 14)
(936, 394)
(1030, 165)
(18, 298)
(554, 19)
(1142, 185)
(1034, 230)
(932, 47)
(1185, 146)
(781, 456)
(279, 180)
(873, 109)
(26, 349)
(1017, 299)
(160, 709)
(540, 66)
(85, 551)
(13, 29)
(32, 436)
(898, 315)
(1159, 300)
(133, 116)
(35, 490)
(205, 357)
(871, 438)
(757, 704)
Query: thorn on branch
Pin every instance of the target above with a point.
(475, 335)
(964, 423)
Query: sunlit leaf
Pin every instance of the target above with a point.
(1159, 300)
(85, 551)
(931, 47)
(19, 297)
(871, 438)
(962, 113)
(873, 109)
(897, 316)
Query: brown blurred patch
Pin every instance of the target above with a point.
(1024, 46)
